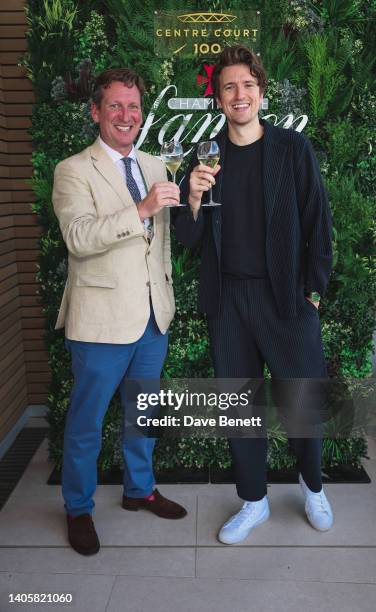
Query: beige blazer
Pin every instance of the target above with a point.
(112, 270)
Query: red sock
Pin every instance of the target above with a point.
(150, 497)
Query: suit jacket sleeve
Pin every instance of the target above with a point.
(316, 222)
(84, 232)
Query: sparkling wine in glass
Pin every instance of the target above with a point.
(172, 156)
(208, 155)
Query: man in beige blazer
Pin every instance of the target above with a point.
(111, 202)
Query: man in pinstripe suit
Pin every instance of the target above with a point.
(266, 259)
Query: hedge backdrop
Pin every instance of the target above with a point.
(320, 62)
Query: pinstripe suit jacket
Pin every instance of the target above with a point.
(298, 223)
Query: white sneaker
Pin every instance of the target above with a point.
(239, 526)
(317, 508)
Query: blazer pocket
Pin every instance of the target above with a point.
(95, 280)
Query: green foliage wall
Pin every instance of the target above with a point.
(319, 57)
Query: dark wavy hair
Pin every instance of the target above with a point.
(239, 54)
(123, 75)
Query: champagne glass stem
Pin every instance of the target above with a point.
(174, 177)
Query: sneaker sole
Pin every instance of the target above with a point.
(322, 529)
(259, 522)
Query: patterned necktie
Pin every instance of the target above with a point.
(135, 193)
(131, 183)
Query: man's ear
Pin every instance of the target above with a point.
(219, 105)
(94, 112)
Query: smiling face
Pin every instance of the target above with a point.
(239, 95)
(119, 116)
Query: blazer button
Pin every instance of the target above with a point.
(148, 284)
(127, 233)
(148, 253)
(118, 236)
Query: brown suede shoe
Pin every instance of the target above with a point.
(161, 506)
(82, 535)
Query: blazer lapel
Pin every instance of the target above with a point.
(216, 213)
(106, 167)
(149, 180)
(273, 164)
(145, 170)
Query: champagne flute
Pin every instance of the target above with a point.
(172, 156)
(208, 154)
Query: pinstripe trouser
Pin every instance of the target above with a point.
(246, 334)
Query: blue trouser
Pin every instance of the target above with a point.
(99, 369)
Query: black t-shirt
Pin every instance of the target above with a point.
(243, 217)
